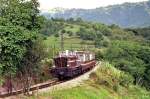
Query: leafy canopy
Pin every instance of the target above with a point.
(13, 46)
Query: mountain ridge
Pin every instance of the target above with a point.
(124, 15)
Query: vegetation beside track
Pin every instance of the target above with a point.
(106, 83)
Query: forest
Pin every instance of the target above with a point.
(29, 41)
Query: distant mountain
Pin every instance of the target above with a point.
(124, 15)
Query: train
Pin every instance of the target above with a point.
(69, 64)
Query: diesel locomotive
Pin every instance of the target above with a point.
(68, 64)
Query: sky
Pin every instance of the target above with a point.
(85, 4)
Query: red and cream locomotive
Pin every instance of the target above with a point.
(69, 64)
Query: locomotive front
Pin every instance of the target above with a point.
(72, 63)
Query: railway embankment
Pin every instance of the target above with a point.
(64, 85)
(71, 83)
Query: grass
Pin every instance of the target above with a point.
(72, 42)
(69, 43)
(72, 28)
(93, 90)
(81, 92)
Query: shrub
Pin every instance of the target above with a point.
(47, 62)
(69, 33)
(44, 72)
(56, 35)
(99, 55)
(71, 27)
(111, 77)
(126, 79)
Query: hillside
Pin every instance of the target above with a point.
(124, 15)
(106, 83)
(127, 50)
(29, 42)
(124, 73)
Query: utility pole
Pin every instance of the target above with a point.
(71, 47)
(62, 41)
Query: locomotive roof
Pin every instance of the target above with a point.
(72, 54)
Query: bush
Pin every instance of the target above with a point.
(71, 27)
(126, 79)
(56, 35)
(44, 72)
(111, 77)
(105, 43)
(99, 55)
(44, 38)
(63, 31)
(130, 57)
(48, 62)
(69, 33)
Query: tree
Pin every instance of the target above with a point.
(30, 67)
(126, 56)
(56, 35)
(86, 34)
(63, 31)
(98, 39)
(70, 20)
(19, 23)
(51, 27)
(21, 12)
(69, 33)
(14, 42)
(79, 19)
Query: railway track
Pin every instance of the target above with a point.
(36, 87)
(32, 88)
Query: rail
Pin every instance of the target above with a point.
(34, 87)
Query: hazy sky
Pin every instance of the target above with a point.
(86, 4)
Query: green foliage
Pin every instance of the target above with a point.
(70, 20)
(51, 27)
(106, 83)
(111, 77)
(22, 13)
(4, 22)
(126, 50)
(63, 31)
(86, 34)
(126, 80)
(48, 62)
(99, 55)
(56, 35)
(14, 42)
(103, 29)
(102, 42)
(34, 54)
(130, 57)
(71, 43)
(120, 34)
(69, 33)
(145, 32)
(19, 51)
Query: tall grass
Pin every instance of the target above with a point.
(106, 83)
(110, 76)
